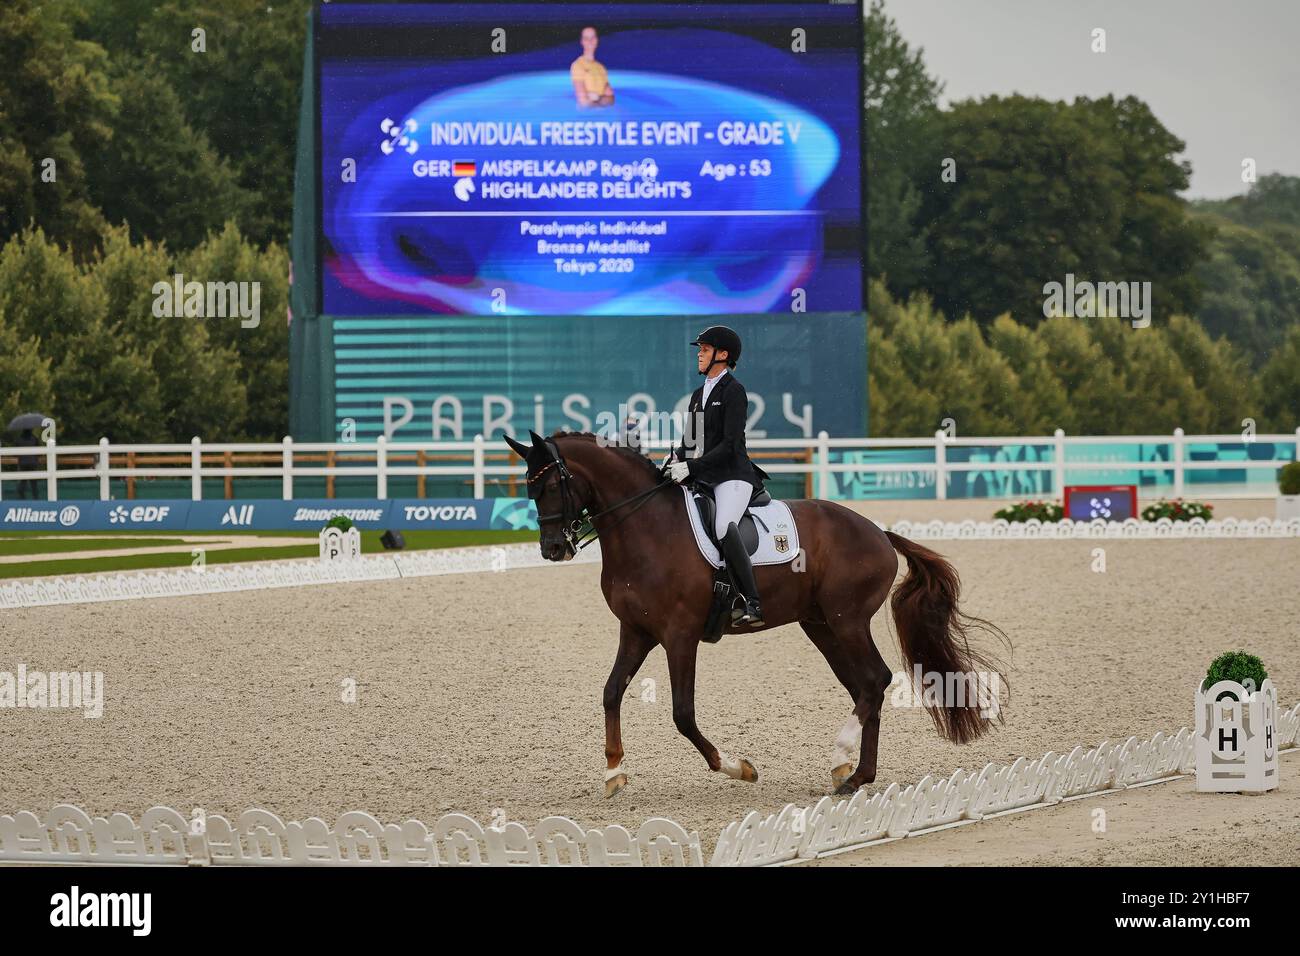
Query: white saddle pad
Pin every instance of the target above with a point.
(778, 538)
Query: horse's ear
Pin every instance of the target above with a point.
(520, 450)
(537, 439)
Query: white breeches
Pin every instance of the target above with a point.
(732, 498)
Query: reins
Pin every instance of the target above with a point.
(573, 533)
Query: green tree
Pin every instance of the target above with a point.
(901, 104)
(263, 351)
(1041, 400)
(56, 105)
(1158, 239)
(242, 91)
(101, 385)
(1037, 196)
(199, 381)
(1219, 371)
(923, 370)
(1275, 198)
(1094, 394)
(1046, 189)
(157, 174)
(1252, 289)
(25, 381)
(1280, 386)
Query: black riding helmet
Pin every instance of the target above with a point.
(723, 338)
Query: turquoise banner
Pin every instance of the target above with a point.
(999, 481)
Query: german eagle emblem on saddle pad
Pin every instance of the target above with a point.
(773, 527)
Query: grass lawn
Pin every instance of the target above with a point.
(10, 546)
(415, 541)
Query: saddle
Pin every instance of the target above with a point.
(708, 508)
(725, 592)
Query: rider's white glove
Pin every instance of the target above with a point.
(679, 471)
(668, 460)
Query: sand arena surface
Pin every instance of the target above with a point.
(479, 693)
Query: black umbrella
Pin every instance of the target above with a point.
(26, 421)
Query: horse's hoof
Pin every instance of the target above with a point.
(841, 773)
(737, 768)
(614, 784)
(845, 789)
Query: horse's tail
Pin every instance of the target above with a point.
(934, 633)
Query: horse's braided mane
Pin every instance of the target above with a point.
(651, 469)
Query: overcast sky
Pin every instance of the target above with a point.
(1221, 75)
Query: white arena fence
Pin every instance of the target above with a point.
(164, 836)
(479, 461)
(252, 576)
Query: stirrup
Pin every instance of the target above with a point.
(745, 618)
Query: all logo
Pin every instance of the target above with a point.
(238, 515)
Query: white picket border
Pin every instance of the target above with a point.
(1035, 530)
(219, 579)
(797, 834)
(164, 836)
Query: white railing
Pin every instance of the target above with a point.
(474, 460)
(163, 836)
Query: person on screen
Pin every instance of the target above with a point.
(590, 81)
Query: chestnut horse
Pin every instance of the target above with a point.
(660, 589)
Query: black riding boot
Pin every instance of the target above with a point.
(742, 571)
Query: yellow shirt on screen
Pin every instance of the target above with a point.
(590, 74)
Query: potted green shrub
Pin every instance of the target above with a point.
(339, 540)
(1239, 666)
(1288, 486)
(1236, 727)
(342, 522)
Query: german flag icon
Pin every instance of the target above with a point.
(462, 168)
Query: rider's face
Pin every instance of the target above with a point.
(707, 354)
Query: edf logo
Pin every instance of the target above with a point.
(142, 514)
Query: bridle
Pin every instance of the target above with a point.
(571, 514)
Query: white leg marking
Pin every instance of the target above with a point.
(730, 766)
(611, 774)
(848, 742)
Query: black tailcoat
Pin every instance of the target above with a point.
(724, 457)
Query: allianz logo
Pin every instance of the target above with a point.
(67, 516)
(140, 513)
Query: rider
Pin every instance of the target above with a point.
(723, 463)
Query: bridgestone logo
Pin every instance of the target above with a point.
(353, 514)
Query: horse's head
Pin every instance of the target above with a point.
(561, 496)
